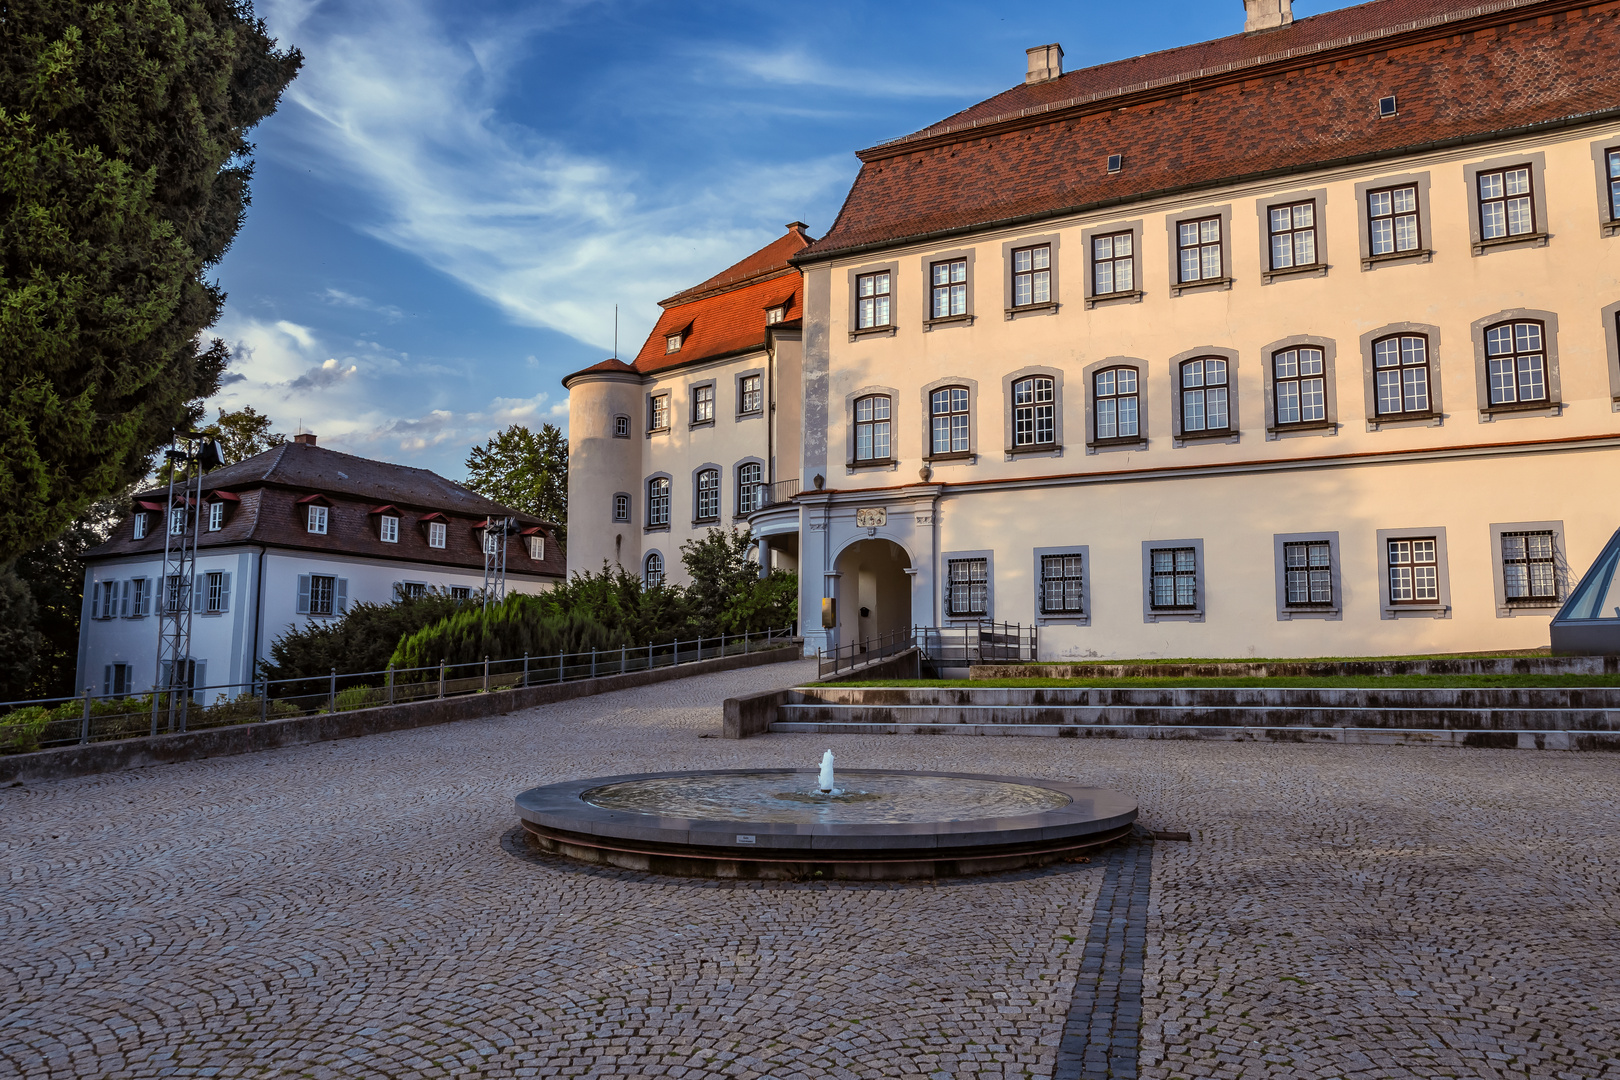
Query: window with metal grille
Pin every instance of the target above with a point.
(1506, 204)
(621, 508)
(708, 495)
(140, 598)
(1401, 374)
(1061, 585)
(751, 398)
(436, 534)
(1198, 245)
(1034, 417)
(322, 590)
(1205, 404)
(653, 572)
(1516, 355)
(1032, 275)
(1175, 578)
(1117, 403)
(1614, 183)
(411, 590)
(174, 593)
(950, 288)
(388, 529)
(702, 404)
(214, 592)
(748, 484)
(658, 501)
(1293, 235)
(967, 587)
(872, 428)
(1392, 221)
(461, 592)
(872, 300)
(1414, 571)
(1308, 573)
(1527, 567)
(658, 412)
(1113, 263)
(949, 409)
(317, 520)
(1299, 385)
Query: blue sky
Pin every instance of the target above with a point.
(453, 196)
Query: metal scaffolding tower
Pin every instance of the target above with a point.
(496, 530)
(182, 521)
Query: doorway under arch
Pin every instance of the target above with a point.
(874, 590)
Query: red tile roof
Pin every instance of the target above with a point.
(767, 261)
(1239, 107)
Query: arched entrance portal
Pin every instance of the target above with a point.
(874, 590)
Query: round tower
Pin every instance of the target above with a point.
(605, 446)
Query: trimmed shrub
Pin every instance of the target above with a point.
(520, 624)
(362, 640)
(20, 730)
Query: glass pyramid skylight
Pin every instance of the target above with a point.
(1589, 623)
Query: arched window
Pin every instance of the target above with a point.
(621, 427)
(1299, 384)
(1114, 392)
(708, 495)
(1516, 353)
(658, 501)
(1401, 374)
(872, 428)
(949, 409)
(1033, 412)
(1204, 401)
(653, 574)
(748, 481)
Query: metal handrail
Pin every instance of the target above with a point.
(866, 651)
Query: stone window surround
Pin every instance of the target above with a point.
(1554, 405)
(646, 493)
(669, 412)
(1088, 373)
(628, 425)
(1330, 350)
(1611, 339)
(1424, 252)
(1537, 160)
(1435, 417)
(971, 457)
(629, 512)
(1441, 609)
(1050, 307)
(1285, 613)
(1607, 226)
(1055, 448)
(1149, 615)
(1505, 610)
(1132, 296)
(691, 400)
(720, 500)
(928, 261)
(892, 461)
(1234, 434)
(857, 272)
(736, 386)
(736, 482)
(1082, 618)
(945, 559)
(1262, 208)
(1172, 221)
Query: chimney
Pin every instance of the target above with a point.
(305, 438)
(1266, 14)
(1045, 63)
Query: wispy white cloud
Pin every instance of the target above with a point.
(796, 67)
(339, 298)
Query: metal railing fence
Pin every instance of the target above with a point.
(40, 723)
(775, 494)
(953, 646)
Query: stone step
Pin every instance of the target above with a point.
(1184, 697)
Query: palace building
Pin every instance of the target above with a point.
(1300, 342)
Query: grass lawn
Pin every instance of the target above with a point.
(1508, 654)
(1370, 682)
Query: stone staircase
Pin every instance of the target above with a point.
(1557, 718)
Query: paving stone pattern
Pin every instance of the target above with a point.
(348, 910)
(1100, 1035)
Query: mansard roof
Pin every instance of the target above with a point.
(1239, 108)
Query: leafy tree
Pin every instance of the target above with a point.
(521, 624)
(123, 132)
(525, 470)
(241, 434)
(20, 642)
(364, 639)
(726, 592)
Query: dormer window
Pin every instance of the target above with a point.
(177, 521)
(537, 547)
(216, 516)
(436, 534)
(317, 520)
(775, 315)
(140, 526)
(388, 529)
(672, 343)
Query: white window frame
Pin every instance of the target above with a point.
(216, 516)
(140, 526)
(537, 547)
(319, 519)
(1175, 612)
(968, 586)
(388, 529)
(328, 606)
(659, 492)
(653, 572)
(177, 521)
(1512, 607)
(437, 533)
(706, 497)
(141, 598)
(750, 481)
(1437, 608)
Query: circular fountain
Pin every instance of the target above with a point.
(871, 824)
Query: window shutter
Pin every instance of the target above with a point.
(199, 679)
(303, 594)
(340, 603)
(106, 679)
(225, 592)
(124, 608)
(199, 591)
(399, 591)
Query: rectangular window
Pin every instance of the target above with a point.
(172, 593)
(1392, 221)
(1401, 374)
(1506, 205)
(317, 520)
(216, 516)
(751, 397)
(1293, 235)
(214, 592)
(461, 592)
(177, 521)
(658, 502)
(872, 428)
(968, 588)
(1516, 355)
(1308, 573)
(436, 534)
(140, 598)
(872, 300)
(1032, 275)
(1204, 396)
(702, 404)
(708, 495)
(949, 407)
(1117, 404)
(950, 288)
(672, 343)
(537, 548)
(1113, 264)
(117, 680)
(388, 529)
(140, 526)
(1198, 246)
(1527, 567)
(492, 541)
(1414, 571)
(1175, 578)
(774, 315)
(749, 478)
(1034, 423)
(410, 590)
(1061, 584)
(658, 412)
(1614, 184)
(621, 508)
(322, 593)
(1300, 386)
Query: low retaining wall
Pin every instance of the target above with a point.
(70, 761)
(1272, 669)
(902, 665)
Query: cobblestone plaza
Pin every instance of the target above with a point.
(363, 909)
